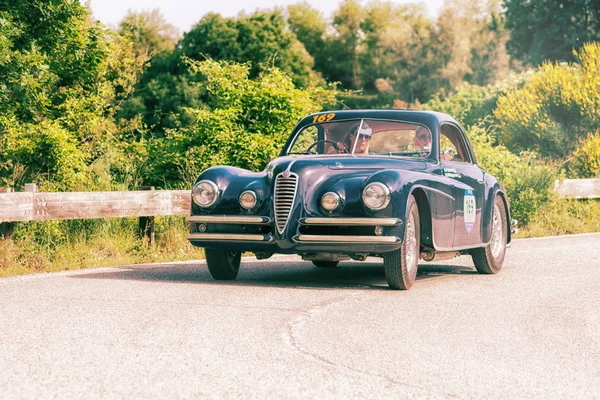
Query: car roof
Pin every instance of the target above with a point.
(429, 118)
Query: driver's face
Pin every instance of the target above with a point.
(363, 142)
(423, 140)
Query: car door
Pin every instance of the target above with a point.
(456, 161)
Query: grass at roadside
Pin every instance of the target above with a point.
(68, 245)
(563, 217)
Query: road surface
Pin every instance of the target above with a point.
(286, 329)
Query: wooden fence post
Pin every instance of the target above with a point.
(7, 229)
(146, 224)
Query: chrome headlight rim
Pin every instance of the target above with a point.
(215, 190)
(253, 193)
(338, 201)
(387, 194)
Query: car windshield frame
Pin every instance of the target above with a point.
(409, 154)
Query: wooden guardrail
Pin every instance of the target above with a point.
(578, 188)
(32, 205)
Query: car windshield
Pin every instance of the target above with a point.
(363, 137)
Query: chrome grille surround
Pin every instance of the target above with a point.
(283, 201)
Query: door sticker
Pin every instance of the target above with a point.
(451, 173)
(470, 210)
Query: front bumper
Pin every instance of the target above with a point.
(264, 238)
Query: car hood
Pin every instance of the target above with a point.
(342, 164)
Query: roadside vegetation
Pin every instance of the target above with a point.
(88, 108)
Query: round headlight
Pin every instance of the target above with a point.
(376, 196)
(248, 199)
(330, 201)
(205, 193)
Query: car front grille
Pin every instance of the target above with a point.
(285, 193)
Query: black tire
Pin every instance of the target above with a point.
(325, 264)
(401, 265)
(223, 265)
(489, 259)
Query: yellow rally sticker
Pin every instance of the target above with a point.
(323, 118)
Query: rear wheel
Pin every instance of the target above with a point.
(489, 259)
(223, 265)
(401, 265)
(325, 264)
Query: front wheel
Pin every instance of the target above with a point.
(223, 265)
(401, 265)
(489, 259)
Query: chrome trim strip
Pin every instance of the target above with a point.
(229, 219)
(436, 191)
(352, 221)
(346, 239)
(230, 236)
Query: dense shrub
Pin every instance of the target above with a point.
(556, 109)
(528, 181)
(245, 123)
(585, 161)
(474, 105)
(62, 76)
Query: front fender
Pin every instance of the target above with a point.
(231, 182)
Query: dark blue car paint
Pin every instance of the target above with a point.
(444, 226)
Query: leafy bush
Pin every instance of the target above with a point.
(62, 76)
(585, 161)
(472, 104)
(556, 109)
(245, 124)
(528, 181)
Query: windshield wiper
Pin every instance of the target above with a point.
(419, 153)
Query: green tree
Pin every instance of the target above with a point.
(261, 38)
(397, 52)
(550, 29)
(149, 31)
(62, 76)
(244, 123)
(342, 62)
(310, 27)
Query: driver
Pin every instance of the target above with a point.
(362, 141)
(422, 139)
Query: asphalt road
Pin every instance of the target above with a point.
(286, 329)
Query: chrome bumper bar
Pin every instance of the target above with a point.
(229, 219)
(351, 221)
(230, 237)
(345, 239)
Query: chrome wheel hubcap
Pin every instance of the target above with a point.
(496, 242)
(411, 244)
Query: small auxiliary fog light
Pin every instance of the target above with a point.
(201, 228)
(379, 230)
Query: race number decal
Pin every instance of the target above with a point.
(323, 118)
(470, 210)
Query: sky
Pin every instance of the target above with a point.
(185, 13)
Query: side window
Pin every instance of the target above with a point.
(452, 145)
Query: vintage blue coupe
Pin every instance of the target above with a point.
(396, 184)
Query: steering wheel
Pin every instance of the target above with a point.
(334, 144)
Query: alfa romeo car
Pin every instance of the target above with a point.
(396, 184)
